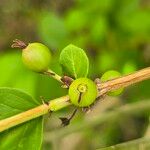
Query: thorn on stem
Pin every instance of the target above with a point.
(44, 101)
(47, 103)
(86, 109)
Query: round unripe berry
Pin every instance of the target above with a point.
(109, 75)
(36, 57)
(82, 92)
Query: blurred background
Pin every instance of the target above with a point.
(115, 35)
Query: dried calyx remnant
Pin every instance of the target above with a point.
(67, 81)
(66, 121)
(19, 44)
(35, 56)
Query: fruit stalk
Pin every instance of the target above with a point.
(52, 74)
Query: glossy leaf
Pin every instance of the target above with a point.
(74, 61)
(24, 136)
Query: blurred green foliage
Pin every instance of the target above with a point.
(114, 33)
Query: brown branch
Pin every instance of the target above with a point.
(62, 102)
(123, 81)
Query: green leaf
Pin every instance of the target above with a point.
(24, 137)
(74, 61)
(27, 135)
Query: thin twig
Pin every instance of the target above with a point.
(53, 75)
(65, 80)
(62, 102)
(123, 81)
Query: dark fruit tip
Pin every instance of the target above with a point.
(18, 44)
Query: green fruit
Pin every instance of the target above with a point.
(109, 75)
(82, 92)
(36, 57)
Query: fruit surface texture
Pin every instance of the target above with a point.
(36, 57)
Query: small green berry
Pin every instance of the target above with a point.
(36, 57)
(82, 92)
(109, 75)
